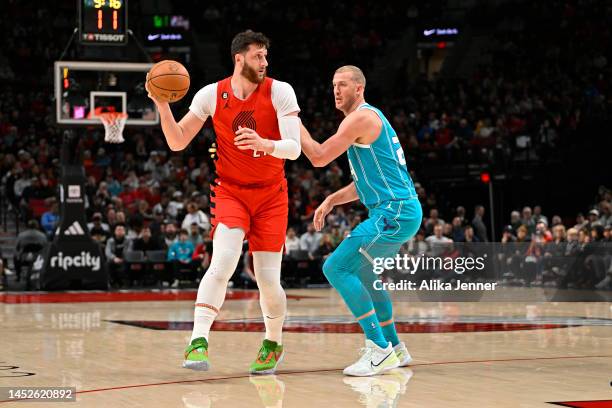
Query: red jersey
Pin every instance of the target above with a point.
(246, 167)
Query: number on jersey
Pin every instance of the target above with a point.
(399, 151)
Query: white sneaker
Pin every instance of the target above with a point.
(374, 360)
(403, 355)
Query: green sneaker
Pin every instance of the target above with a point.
(269, 357)
(196, 355)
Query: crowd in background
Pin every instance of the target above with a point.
(532, 91)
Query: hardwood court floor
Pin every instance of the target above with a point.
(126, 352)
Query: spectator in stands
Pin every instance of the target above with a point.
(432, 221)
(457, 233)
(608, 233)
(50, 219)
(417, 245)
(113, 185)
(180, 253)
(515, 220)
(21, 183)
(116, 246)
(606, 213)
(527, 220)
(292, 242)
(468, 235)
(326, 247)
(170, 234)
(157, 223)
(522, 234)
(201, 258)
(447, 230)
(162, 206)
(538, 216)
(437, 242)
(111, 218)
(335, 235)
(175, 206)
(195, 234)
(553, 254)
(29, 242)
(144, 213)
(460, 213)
(508, 234)
(97, 224)
(556, 220)
(145, 242)
(37, 189)
(195, 216)
(581, 222)
(542, 228)
(593, 220)
(480, 229)
(309, 241)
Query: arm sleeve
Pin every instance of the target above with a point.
(289, 146)
(283, 98)
(204, 102)
(285, 102)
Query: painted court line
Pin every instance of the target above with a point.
(281, 373)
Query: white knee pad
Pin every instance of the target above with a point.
(267, 267)
(227, 248)
(272, 297)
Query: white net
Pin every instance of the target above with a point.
(113, 122)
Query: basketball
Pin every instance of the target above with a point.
(168, 80)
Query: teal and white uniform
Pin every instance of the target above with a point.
(384, 186)
(394, 216)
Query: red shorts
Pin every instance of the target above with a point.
(261, 212)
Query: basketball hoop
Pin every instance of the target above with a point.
(113, 122)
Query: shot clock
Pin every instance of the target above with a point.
(103, 22)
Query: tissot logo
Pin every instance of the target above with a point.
(104, 37)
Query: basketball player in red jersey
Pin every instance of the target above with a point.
(257, 127)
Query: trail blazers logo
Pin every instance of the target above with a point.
(244, 119)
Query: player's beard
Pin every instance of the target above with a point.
(252, 74)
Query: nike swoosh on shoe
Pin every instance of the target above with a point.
(381, 361)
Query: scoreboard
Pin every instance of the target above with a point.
(103, 22)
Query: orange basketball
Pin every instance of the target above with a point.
(168, 81)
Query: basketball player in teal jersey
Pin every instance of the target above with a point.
(382, 183)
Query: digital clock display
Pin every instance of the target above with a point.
(103, 21)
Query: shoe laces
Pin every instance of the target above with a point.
(264, 351)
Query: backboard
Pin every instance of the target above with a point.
(85, 89)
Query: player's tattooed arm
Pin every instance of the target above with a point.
(359, 126)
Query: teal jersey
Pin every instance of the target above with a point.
(379, 169)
